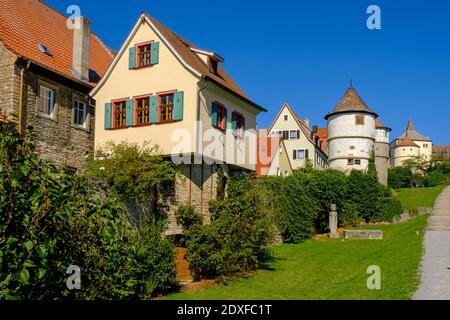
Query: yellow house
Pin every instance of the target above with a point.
(299, 144)
(162, 88)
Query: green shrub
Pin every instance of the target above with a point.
(348, 214)
(238, 236)
(434, 178)
(187, 216)
(296, 208)
(50, 220)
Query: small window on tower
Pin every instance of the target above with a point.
(357, 162)
(350, 162)
(359, 120)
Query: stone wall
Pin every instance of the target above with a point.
(8, 96)
(195, 184)
(382, 161)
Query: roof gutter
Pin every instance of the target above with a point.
(256, 106)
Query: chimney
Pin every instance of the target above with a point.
(315, 128)
(306, 121)
(80, 53)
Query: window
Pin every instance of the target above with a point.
(352, 147)
(359, 120)
(220, 116)
(350, 162)
(239, 124)
(47, 101)
(144, 54)
(285, 135)
(213, 64)
(79, 113)
(300, 154)
(286, 117)
(286, 173)
(119, 114)
(425, 145)
(166, 107)
(294, 134)
(358, 162)
(142, 111)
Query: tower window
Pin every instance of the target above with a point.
(358, 162)
(359, 120)
(350, 162)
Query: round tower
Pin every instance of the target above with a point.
(382, 151)
(405, 149)
(351, 133)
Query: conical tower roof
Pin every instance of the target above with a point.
(412, 133)
(351, 102)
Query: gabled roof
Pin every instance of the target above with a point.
(24, 24)
(412, 133)
(406, 142)
(185, 52)
(351, 102)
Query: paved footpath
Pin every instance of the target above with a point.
(435, 282)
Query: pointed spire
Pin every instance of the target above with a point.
(410, 126)
(351, 83)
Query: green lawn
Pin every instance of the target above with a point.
(332, 269)
(412, 198)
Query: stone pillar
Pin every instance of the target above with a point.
(333, 222)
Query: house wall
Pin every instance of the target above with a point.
(426, 149)
(56, 139)
(295, 144)
(9, 96)
(168, 74)
(346, 140)
(231, 149)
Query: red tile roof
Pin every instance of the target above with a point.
(323, 136)
(406, 142)
(351, 101)
(26, 23)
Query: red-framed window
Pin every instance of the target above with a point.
(144, 54)
(165, 107)
(119, 114)
(220, 116)
(142, 110)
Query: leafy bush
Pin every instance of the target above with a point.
(296, 207)
(187, 216)
(240, 232)
(50, 220)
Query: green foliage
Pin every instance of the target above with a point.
(187, 216)
(238, 236)
(50, 220)
(400, 177)
(136, 174)
(295, 206)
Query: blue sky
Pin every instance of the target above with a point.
(305, 52)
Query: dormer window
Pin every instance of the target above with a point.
(213, 64)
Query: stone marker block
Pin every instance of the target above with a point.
(363, 234)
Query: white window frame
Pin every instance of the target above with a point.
(292, 132)
(43, 89)
(76, 100)
(299, 152)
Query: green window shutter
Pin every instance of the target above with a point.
(225, 118)
(214, 114)
(155, 53)
(132, 58)
(178, 105)
(233, 122)
(108, 111)
(243, 127)
(153, 109)
(129, 112)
